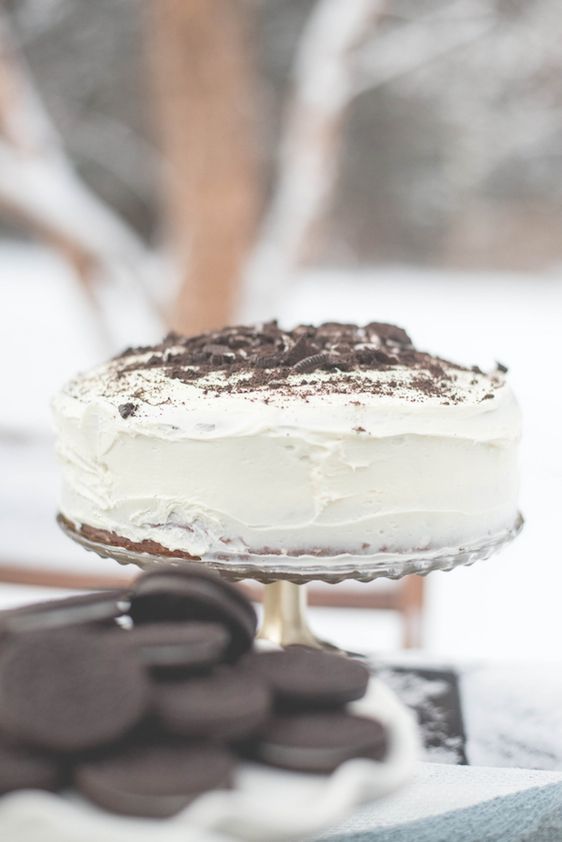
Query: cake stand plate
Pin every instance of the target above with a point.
(284, 616)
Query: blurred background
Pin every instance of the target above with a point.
(188, 163)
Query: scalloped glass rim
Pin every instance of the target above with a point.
(332, 570)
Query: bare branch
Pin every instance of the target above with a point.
(323, 87)
(430, 38)
(41, 190)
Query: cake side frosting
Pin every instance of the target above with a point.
(390, 450)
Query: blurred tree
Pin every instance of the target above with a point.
(40, 189)
(205, 84)
(430, 137)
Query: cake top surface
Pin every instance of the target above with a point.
(248, 377)
(333, 358)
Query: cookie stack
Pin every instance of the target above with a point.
(144, 699)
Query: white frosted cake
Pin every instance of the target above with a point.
(312, 444)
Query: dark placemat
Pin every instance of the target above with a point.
(434, 696)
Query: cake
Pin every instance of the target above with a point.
(307, 446)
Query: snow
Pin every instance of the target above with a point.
(48, 323)
(47, 333)
(513, 715)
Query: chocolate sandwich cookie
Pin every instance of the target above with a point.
(180, 646)
(101, 607)
(70, 690)
(154, 780)
(229, 704)
(23, 768)
(200, 571)
(301, 677)
(319, 742)
(173, 598)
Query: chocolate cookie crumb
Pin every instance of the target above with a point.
(127, 409)
(304, 362)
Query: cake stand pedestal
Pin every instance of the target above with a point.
(284, 615)
(284, 605)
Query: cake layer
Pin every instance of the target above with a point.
(219, 458)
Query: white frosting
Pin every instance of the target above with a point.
(292, 471)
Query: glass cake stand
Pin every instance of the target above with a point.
(284, 619)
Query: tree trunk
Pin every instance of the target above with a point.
(205, 101)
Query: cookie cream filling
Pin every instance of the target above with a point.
(413, 454)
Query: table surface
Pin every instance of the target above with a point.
(495, 714)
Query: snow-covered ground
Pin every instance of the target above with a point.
(508, 606)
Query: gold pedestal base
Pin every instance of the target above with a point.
(284, 618)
